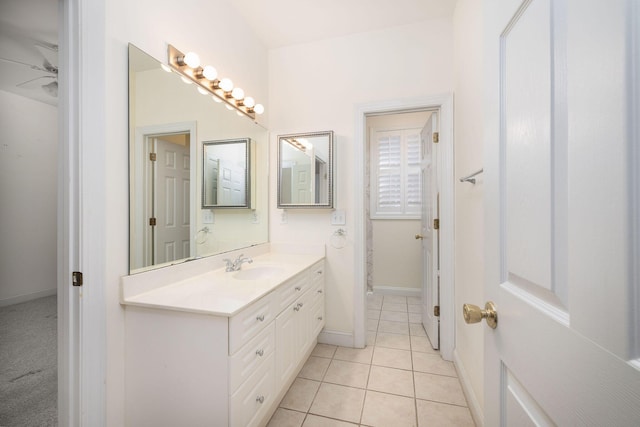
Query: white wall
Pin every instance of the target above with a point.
(469, 257)
(317, 86)
(28, 191)
(189, 25)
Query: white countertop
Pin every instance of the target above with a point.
(218, 292)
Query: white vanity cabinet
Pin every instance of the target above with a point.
(201, 369)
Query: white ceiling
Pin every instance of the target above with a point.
(277, 23)
(285, 22)
(23, 23)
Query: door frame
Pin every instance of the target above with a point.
(444, 103)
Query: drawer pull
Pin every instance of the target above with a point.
(260, 399)
(296, 308)
(319, 317)
(300, 304)
(260, 352)
(260, 318)
(319, 272)
(298, 288)
(319, 291)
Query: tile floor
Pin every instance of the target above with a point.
(397, 380)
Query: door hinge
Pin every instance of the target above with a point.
(436, 137)
(436, 310)
(436, 224)
(152, 222)
(153, 157)
(76, 278)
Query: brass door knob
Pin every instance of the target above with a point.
(419, 236)
(474, 314)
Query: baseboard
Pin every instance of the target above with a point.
(27, 297)
(474, 406)
(343, 339)
(394, 290)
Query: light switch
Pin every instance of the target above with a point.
(338, 217)
(207, 217)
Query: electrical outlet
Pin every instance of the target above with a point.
(338, 217)
(207, 217)
(255, 219)
(284, 218)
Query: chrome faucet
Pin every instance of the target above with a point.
(235, 265)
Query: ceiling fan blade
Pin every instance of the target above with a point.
(49, 52)
(33, 67)
(30, 83)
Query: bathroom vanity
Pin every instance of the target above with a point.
(219, 348)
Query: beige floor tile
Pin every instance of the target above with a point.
(316, 421)
(372, 325)
(417, 329)
(392, 358)
(432, 364)
(347, 373)
(339, 402)
(394, 299)
(373, 314)
(389, 306)
(371, 338)
(374, 302)
(300, 395)
(439, 388)
(394, 316)
(394, 327)
(441, 414)
(391, 380)
(422, 344)
(414, 308)
(400, 342)
(360, 355)
(286, 418)
(314, 368)
(414, 300)
(324, 350)
(415, 317)
(384, 410)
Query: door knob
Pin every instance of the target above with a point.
(474, 314)
(419, 236)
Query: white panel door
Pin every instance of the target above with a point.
(301, 184)
(430, 268)
(561, 213)
(171, 201)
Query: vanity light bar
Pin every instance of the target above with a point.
(221, 89)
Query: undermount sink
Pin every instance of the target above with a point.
(258, 272)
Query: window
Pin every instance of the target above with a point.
(395, 174)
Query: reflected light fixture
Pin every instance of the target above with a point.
(188, 66)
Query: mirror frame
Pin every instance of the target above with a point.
(248, 173)
(331, 190)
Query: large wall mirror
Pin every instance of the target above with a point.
(170, 122)
(305, 170)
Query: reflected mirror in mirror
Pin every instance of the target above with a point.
(226, 178)
(305, 170)
(169, 222)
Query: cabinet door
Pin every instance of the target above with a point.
(286, 337)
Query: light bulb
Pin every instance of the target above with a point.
(191, 59)
(249, 102)
(237, 93)
(209, 73)
(229, 107)
(215, 98)
(203, 91)
(226, 85)
(165, 67)
(186, 80)
(259, 109)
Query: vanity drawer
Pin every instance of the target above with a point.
(317, 273)
(250, 403)
(290, 291)
(250, 321)
(317, 317)
(251, 357)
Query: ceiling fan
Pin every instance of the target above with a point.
(48, 81)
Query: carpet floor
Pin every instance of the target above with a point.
(28, 364)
